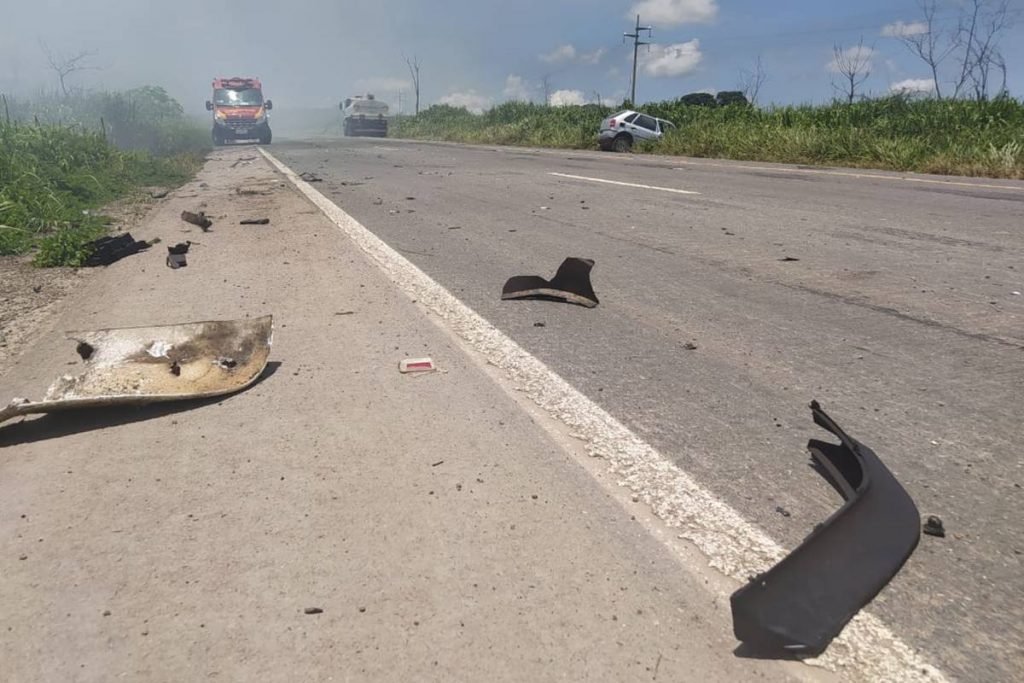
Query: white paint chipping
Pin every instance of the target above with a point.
(619, 182)
(867, 650)
(160, 349)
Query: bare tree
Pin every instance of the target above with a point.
(545, 84)
(65, 65)
(752, 80)
(414, 71)
(980, 29)
(851, 68)
(933, 45)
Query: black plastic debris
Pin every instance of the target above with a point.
(255, 221)
(176, 255)
(789, 259)
(198, 219)
(107, 250)
(802, 603)
(570, 284)
(933, 526)
(311, 177)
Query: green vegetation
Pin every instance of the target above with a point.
(974, 138)
(58, 164)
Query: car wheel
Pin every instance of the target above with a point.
(623, 143)
(265, 139)
(217, 139)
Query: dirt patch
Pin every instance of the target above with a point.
(31, 295)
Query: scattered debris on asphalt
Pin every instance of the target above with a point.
(783, 511)
(313, 610)
(788, 259)
(540, 324)
(410, 199)
(129, 366)
(311, 177)
(437, 464)
(243, 160)
(690, 346)
(108, 250)
(247, 192)
(410, 365)
(345, 313)
(798, 606)
(199, 219)
(933, 526)
(254, 221)
(571, 284)
(455, 227)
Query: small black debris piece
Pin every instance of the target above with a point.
(198, 219)
(798, 606)
(540, 324)
(313, 610)
(783, 511)
(311, 177)
(176, 369)
(571, 284)
(933, 526)
(255, 221)
(179, 248)
(85, 350)
(107, 250)
(690, 346)
(789, 259)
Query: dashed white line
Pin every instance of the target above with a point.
(866, 650)
(619, 182)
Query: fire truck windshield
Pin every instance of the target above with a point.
(224, 97)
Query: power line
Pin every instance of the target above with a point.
(636, 48)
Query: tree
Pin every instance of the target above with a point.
(414, 71)
(851, 68)
(545, 84)
(64, 65)
(973, 45)
(732, 97)
(698, 99)
(933, 45)
(752, 80)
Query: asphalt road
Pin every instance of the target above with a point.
(902, 314)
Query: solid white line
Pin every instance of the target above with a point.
(854, 174)
(866, 650)
(619, 182)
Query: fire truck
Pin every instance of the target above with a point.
(239, 111)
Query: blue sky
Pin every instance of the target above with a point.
(314, 52)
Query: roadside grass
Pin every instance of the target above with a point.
(55, 175)
(956, 137)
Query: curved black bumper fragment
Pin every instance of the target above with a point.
(802, 603)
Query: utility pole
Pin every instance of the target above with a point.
(636, 49)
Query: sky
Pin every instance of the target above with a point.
(313, 53)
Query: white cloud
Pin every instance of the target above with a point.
(560, 55)
(674, 12)
(517, 89)
(667, 61)
(913, 86)
(471, 100)
(856, 55)
(568, 54)
(900, 29)
(382, 85)
(567, 98)
(592, 58)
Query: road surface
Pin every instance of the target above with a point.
(894, 300)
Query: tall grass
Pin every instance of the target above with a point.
(932, 136)
(54, 175)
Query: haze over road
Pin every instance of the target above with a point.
(894, 301)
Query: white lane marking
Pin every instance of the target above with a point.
(854, 174)
(866, 650)
(619, 182)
